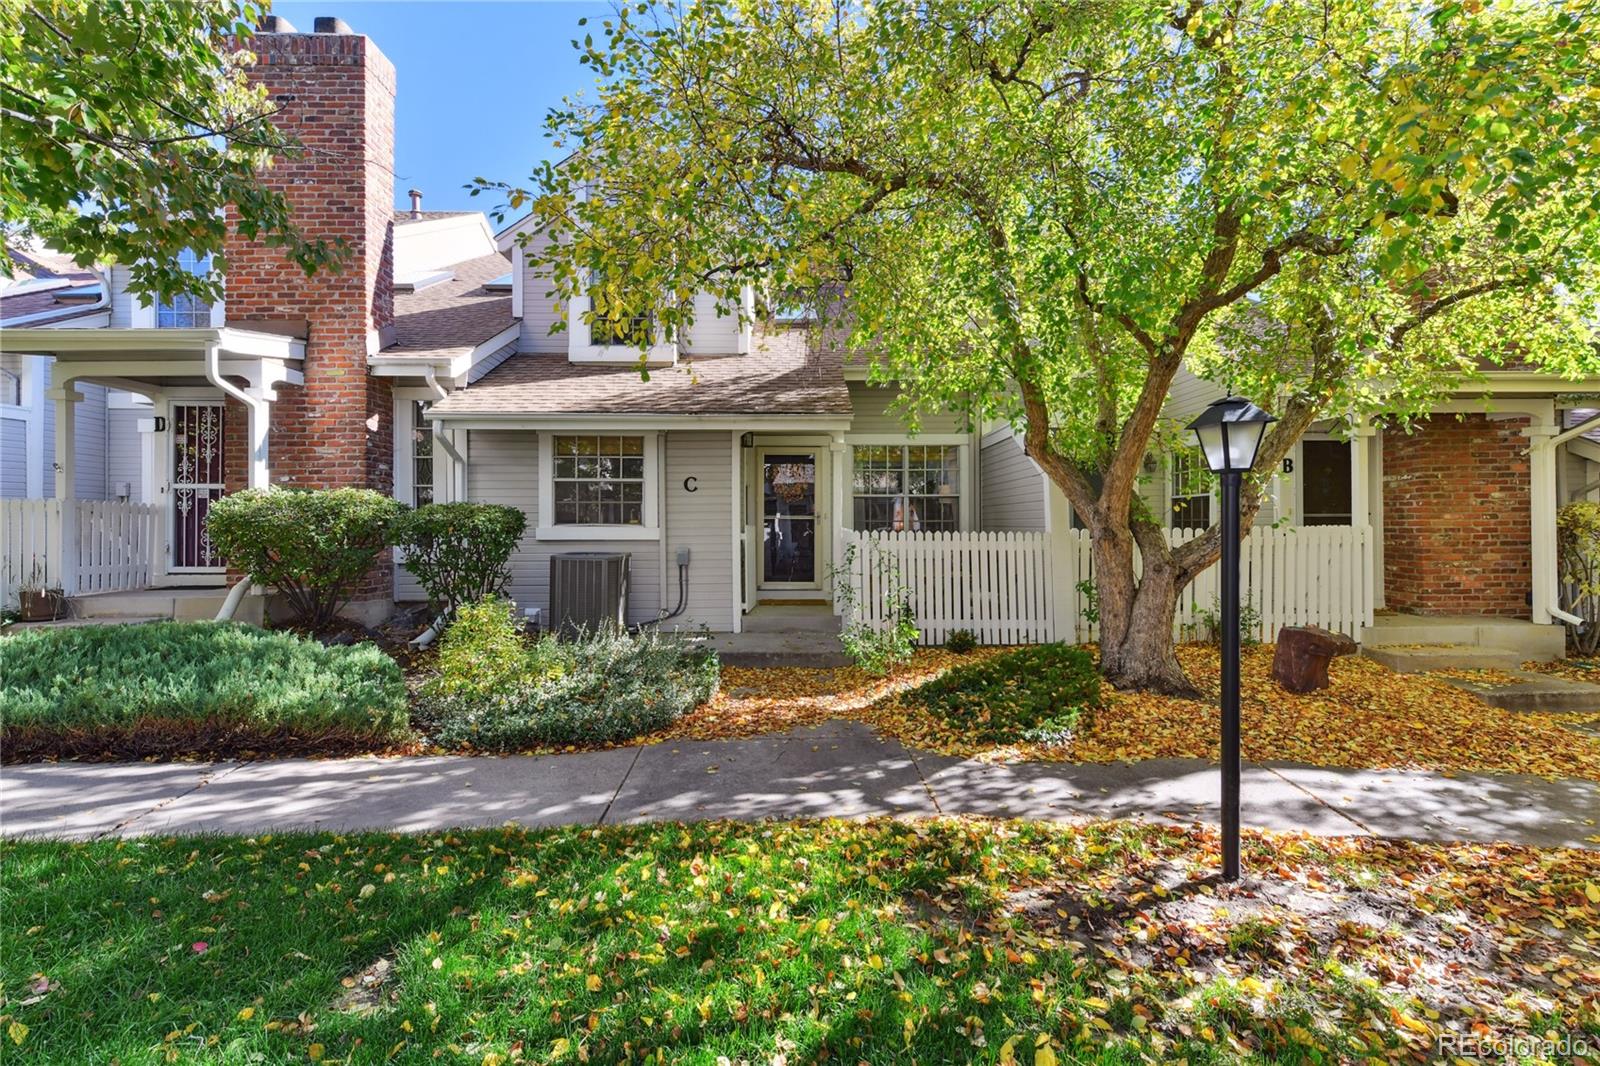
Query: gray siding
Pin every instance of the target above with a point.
(90, 479)
(539, 311)
(701, 521)
(873, 413)
(13, 458)
(502, 467)
(121, 299)
(125, 450)
(1010, 487)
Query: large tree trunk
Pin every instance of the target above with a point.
(1137, 652)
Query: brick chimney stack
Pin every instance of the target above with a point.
(336, 92)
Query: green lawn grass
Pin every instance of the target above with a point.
(880, 942)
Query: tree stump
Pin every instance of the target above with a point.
(1301, 662)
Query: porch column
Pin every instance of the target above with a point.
(839, 457)
(35, 368)
(64, 542)
(1361, 436)
(258, 417)
(1063, 562)
(737, 483)
(1542, 502)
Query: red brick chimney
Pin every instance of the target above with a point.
(336, 92)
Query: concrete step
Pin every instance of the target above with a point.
(796, 648)
(1530, 691)
(787, 619)
(182, 604)
(1543, 642)
(1421, 658)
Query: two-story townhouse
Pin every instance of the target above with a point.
(734, 476)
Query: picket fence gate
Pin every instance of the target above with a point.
(116, 546)
(1020, 587)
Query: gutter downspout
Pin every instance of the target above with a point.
(251, 403)
(81, 310)
(430, 376)
(1576, 431)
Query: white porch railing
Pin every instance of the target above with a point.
(1013, 588)
(116, 546)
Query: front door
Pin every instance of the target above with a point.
(789, 519)
(197, 479)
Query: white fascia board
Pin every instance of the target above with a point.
(111, 343)
(602, 422)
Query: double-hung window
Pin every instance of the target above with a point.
(1191, 490)
(907, 487)
(597, 480)
(605, 330)
(184, 310)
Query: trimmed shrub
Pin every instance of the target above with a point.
(459, 551)
(1034, 694)
(313, 545)
(175, 688)
(960, 641)
(602, 688)
(484, 651)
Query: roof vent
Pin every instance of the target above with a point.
(330, 24)
(416, 202)
(275, 24)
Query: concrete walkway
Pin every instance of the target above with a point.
(840, 769)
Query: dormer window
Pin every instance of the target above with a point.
(186, 311)
(632, 331)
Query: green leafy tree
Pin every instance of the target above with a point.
(1041, 211)
(132, 133)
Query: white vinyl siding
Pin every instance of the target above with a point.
(700, 521)
(1010, 487)
(539, 311)
(502, 467)
(872, 413)
(712, 334)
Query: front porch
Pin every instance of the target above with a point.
(195, 382)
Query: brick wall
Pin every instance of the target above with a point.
(336, 93)
(1456, 526)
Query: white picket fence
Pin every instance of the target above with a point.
(1017, 587)
(116, 547)
(998, 585)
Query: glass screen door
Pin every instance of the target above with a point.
(789, 519)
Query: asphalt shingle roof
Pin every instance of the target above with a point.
(452, 316)
(783, 374)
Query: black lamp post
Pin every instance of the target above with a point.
(1229, 432)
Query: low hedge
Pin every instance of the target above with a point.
(1035, 694)
(178, 688)
(599, 689)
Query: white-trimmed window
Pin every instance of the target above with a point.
(186, 311)
(10, 388)
(1191, 490)
(906, 487)
(421, 455)
(631, 332)
(597, 480)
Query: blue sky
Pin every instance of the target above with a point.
(474, 82)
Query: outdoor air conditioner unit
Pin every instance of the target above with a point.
(588, 590)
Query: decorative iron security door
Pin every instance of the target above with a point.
(197, 479)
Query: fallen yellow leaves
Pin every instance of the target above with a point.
(1370, 717)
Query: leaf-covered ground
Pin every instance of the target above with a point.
(1369, 717)
(882, 942)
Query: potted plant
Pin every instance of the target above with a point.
(37, 601)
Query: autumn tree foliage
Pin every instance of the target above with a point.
(1041, 211)
(132, 133)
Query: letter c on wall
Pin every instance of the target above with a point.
(691, 484)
